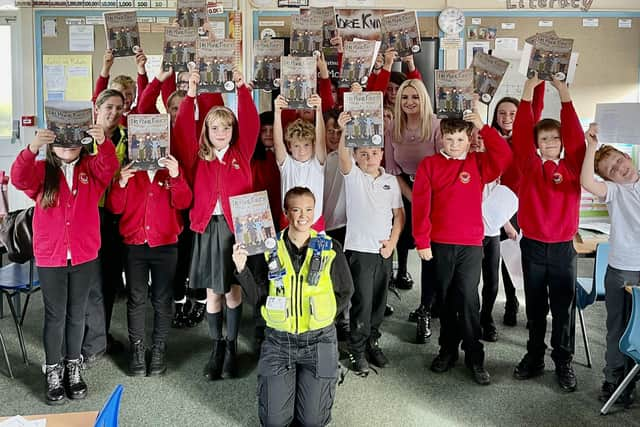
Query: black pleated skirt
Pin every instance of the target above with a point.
(211, 263)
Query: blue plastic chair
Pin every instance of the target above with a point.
(108, 416)
(6, 357)
(590, 290)
(15, 280)
(629, 346)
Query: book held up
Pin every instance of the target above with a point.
(123, 35)
(266, 63)
(454, 93)
(179, 48)
(488, 72)
(148, 140)
(70, 121)
(298, 80)
(366, 127)
(253, 225)
(214, 63)
(400, 31)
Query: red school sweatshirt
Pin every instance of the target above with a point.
(150, 210)
(549, 196)
(213, 179)
(447, 193)
(73, 224)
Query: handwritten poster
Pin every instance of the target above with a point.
(67, 77)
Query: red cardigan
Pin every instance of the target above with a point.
(150, 210)
(213, 179)
(549, 196)
(103, 82)
(73, 224)
(447, 193)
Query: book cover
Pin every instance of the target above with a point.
(179, 48)
(70, 122)
(298, 80)
(306, 35)
(214, 62)
(266, 63)
(454, 93)
(488, 72)
(123, 35)
(366, 128)
(192, 13)
(401, 32)
(253, 225)
(148, 140)
(549, 55)
(357, 61)
(328, 16)
(331, 57)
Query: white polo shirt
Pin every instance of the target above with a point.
(308, 174)
(623, 203)
(370, 209)
(335, 199)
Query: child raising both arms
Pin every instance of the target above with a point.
(66, 187)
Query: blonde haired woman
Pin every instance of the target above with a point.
(415, 134)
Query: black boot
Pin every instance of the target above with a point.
(197, 314)
(54, 393)
(137, 363)
(423, 328)
(73, 383)
(181, 315)
(229, 366)
(420, 311)
(213, 368)
(511, 313)
(158, 364)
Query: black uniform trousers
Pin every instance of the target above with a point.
(549, 271)
(490, 279)
(371, 273)
(102, 296)
(457, 273)
(297, 376)
(161, 262)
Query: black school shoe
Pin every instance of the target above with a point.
(626, 398)
(404, 281)
(137, 362)
(443, 362)
(358, 364)
(375, 355)
(528, 368)
(489, 333)
(511, 313)
(213, 368)
(74, 385)
(480, 374)
(181, 315)
(197, 314)
(566, 376)
(423, 329)
(54, 390)
(388, 311)
(158, 363)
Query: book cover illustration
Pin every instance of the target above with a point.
(357, 60)
(532, 39)
(488, 72)
(123, 35)
(148, 140)
(252, 222)
(549, 55)
(266, 63)
(454, 93)
(306, 35)
(192, 13)
(298, 80)
(70, 121)
(179, 48)
(328, 16)
(366, 128)
(214, 62)
(401, 32)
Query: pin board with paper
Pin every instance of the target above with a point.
(607, 66)
(67, 77)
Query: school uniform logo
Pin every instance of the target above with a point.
(465, 177)
(557, 178)
(235, 164)
(386, 187)
(83, 178)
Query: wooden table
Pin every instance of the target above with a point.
(587, 247)
(71, 419)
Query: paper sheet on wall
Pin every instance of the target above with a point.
(506, 47)
(81, 38)
(619, 123)
(512, 258)
(154, 62)
(476, 46)
(67, 77)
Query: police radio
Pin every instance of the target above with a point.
(317, 244)
(276, 271)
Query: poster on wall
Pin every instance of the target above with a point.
(67, 77)
(361, 23)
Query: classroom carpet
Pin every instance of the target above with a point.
(404, 394)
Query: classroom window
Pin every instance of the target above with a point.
(6, 87)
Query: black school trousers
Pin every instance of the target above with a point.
(65, 291)
(490, 279)
(549, 271)
(457, 274)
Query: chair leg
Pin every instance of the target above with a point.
(630, 376)
(585, 338)
(19, 329)
(24, 309)
(4, 352)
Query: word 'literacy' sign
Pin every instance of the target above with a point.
(583, 5)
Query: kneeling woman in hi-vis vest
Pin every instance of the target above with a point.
(300, 287)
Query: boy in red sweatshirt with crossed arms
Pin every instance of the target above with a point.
(549, 202)
(447, 218)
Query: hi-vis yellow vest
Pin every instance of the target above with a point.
(121, 152)
(307, 307)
